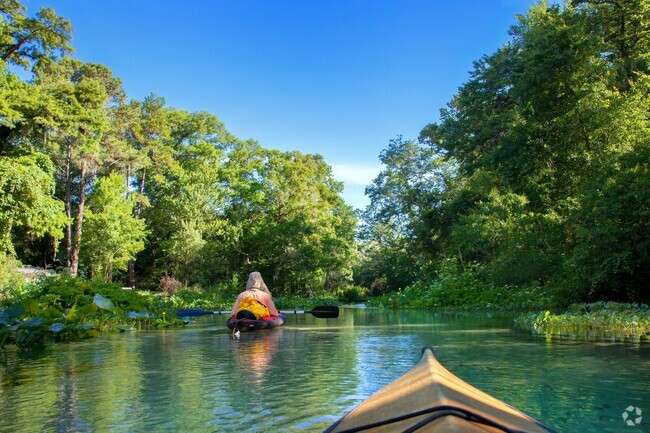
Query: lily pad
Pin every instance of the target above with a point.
(51, 313)
(88, 309)
(104, 303)
(57, 327)
(16, 310)
(137, 315)
(71, 312)
(30, 323)
(86, 325)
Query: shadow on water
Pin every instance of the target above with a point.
(303, 376)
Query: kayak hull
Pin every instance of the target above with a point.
(431, 399)
(247, 325)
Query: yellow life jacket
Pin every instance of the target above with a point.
(254, 306)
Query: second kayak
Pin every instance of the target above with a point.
(245, 325)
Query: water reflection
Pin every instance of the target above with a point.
(254, 352)
(305, 375)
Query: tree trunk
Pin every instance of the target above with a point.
(131, 262)
(137, 214)
(68, 211)
(76, 245)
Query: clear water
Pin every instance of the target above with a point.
(302, 377)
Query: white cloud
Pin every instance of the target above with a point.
(355, 174)
(355, 178)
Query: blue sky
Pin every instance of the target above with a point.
(335, 77)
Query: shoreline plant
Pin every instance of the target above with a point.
(593, 320)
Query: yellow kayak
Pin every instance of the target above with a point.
(429, 398)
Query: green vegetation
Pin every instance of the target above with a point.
(531, 192)
(536, 179)
(599, 319)
(62, 308)
(136, 191)
(454, 289)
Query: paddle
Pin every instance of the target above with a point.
(322, 312)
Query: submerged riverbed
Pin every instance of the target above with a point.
(302, 377)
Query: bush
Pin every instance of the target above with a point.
(352, 294)
(169, 285)
(12, 282)
(62, 308)
(458, 288)
(197, 299)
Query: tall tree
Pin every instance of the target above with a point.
(395, 227)
(24, 40)
(545, 139)
(297, 230)
(83, 94)
(112, 234)
(187, 198)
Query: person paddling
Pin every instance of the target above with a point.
(256, 301)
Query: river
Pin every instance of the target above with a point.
(302, 377)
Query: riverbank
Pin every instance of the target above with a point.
(540, 310)
(594, 320)
(59, 308)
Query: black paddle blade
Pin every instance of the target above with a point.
(325, 312)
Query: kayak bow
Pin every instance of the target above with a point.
(429, 398)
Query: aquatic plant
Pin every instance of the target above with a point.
(62, 308)
(598, 319)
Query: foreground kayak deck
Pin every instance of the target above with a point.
(429, 398)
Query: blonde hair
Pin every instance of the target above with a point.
(255, 281)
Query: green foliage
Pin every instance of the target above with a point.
(613, 221)
(456, 287)
(592, 320)
(26, 198)
(398, 232)
(24, 39)
(520, 245)
(211, 205)
(204, 300)
(537, 172)
(12, 282)
(548, 148)
(112, 234)
(62, 308)
(352, 294)
(304, 303)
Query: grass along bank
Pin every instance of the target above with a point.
(595, 320)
